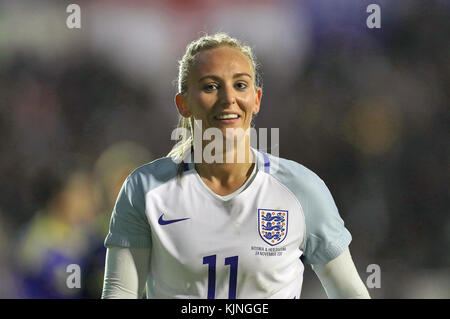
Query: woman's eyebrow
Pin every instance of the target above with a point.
(214, 77)
(237, 75)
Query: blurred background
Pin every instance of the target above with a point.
(366, 109)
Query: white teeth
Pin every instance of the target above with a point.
(227, 116)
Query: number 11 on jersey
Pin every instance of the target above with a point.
(211, 262)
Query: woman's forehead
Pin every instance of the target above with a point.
(221, 59)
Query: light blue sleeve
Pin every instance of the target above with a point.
(129, 226)
(326, 235)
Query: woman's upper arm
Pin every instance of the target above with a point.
(126, 271)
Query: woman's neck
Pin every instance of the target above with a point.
(227, 176)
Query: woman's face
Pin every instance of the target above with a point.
(221, 91)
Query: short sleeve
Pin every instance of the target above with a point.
(129, 226)
(326, 235)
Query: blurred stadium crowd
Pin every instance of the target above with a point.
(366, 109)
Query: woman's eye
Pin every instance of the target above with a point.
(210, 87)
(241, 85)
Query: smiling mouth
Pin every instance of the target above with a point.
(221, 117)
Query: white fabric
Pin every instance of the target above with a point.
(248, 246)
(340, 279)
(126, 272)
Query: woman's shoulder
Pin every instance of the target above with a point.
(153, 174)
(289, 170)
(300, 180)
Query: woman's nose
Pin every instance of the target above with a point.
(228, 96)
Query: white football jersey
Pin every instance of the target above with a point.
(249, 244)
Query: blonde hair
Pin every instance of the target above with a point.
(206, 42)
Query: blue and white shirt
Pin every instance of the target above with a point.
(244, 245)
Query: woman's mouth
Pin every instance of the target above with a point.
(227, 118)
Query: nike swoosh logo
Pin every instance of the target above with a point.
(161, 221)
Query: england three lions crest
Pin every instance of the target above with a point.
(272, 225)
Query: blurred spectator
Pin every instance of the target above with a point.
(115, 164)
(110, 171)
(58, 235)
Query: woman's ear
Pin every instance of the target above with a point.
(180, 102)
(257, 100)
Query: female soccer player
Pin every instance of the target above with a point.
(224, 228)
